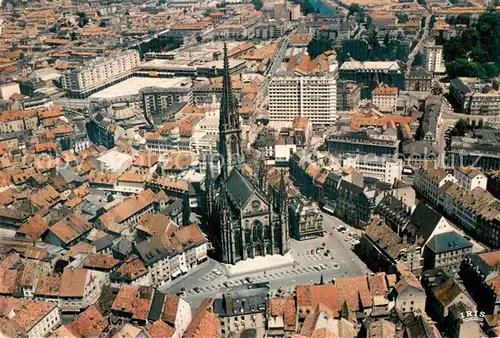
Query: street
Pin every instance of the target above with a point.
(312, 260)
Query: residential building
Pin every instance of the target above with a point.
(308, 88)
(18, 121)
(469, 178)
(442, 293)
(80, 288)
(386, 169)
(385, 98)
(176, 313)
(362, 142)
(124, 217)
(158, 103)
(282, 321)
(433, 58)
(475, 97)
(348, 95)
(357, 296)
(306, 219)
(429, 179)
(68, 231)
(133, 303)
(381, 19)
(205, 322)
(479, 151)
(243, 307)
(431, 119)
(8, 89)
(458, 324)
(100, 73)
(418, 80)
(30, 318)
(409, 295)
(446, 251)
(479, 273)
(382, 249)
(369, 72)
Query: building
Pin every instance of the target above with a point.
(385, 98)
(469, 178)
(348, 95)
(306, 219)
(418, 80)
(243, 307)
(433, 58)
(205, 322)
(480, 151)
(442, 293)
(18, 121)
(100, 73)
(409, 295)
(160, 104)
(8, 89)
(80, 288)
(428, 180)
(245, 223)
(29, 318)
(431, 119)
(381, 19)
(308, 88)
(176, 313)
(446, 251)
(387, 169)
(475, 97)
(362, 142)
(114, 162)
(479, 273)
(382, 249)
(370, 74)
(124, 217)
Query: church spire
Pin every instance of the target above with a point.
(229, 124)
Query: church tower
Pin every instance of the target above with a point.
(229, 125)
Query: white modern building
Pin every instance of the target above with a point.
(308, 88)
(386, 169)
(114, 162)
(433, 58)
(100, 73)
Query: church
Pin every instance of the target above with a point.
(245, 221)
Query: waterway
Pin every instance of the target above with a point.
(323, 7)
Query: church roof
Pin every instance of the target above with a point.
(239, 187)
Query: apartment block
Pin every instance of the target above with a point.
(308, 88)
(476, 97)
(99, 73)
(433, 58)
(385, 98)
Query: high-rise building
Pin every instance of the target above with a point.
(99, 73)
(433, 58)
(244, 221)
(308, 88)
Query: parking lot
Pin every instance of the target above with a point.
(322, 258)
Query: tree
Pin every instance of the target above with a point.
(199, 38)
(372, 39)
(480, 123)
(257, 4)
(461, 127)
(403, 18)
(354, 8)
(159, 170)
(318, 46)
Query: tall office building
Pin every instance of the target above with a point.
(308, 88)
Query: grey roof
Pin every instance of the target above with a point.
(245, 299)
(423, 221)
(124, 246)
(448, 241)
(68, 174)
(421, 147)
(151, 250)
(156, 306)
(239, 187)
(103, 243)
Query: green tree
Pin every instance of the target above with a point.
(257, 4)
(461, 127)
(356, 49)
(480, 124)
(354, 8)
(402, 18)
(318, 46)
